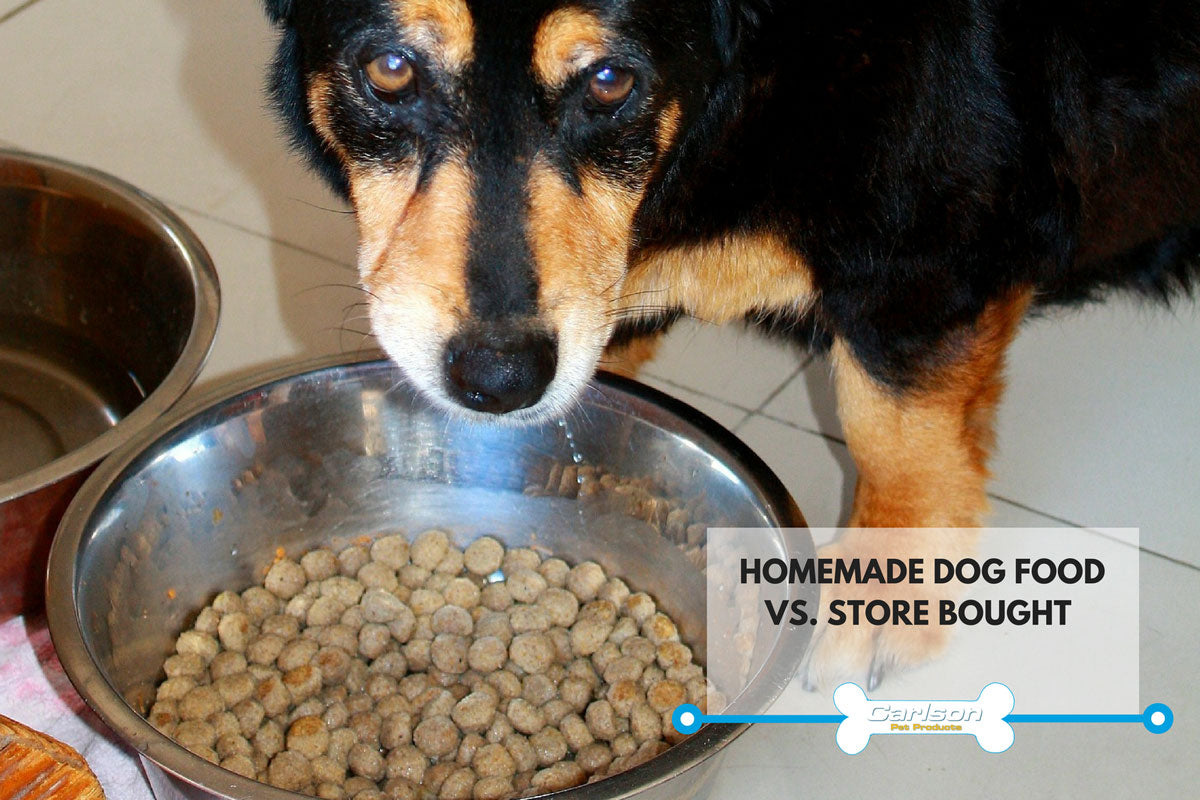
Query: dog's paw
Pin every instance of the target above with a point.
(867, 652)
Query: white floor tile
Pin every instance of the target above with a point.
(727, 415)
(277, 303)
(1098, 426)
(167, 95)
(1100, 423)
(727, 362)
(1100, 761)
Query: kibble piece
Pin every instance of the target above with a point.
(588, 634)
(494, 623)
(285, 579)
(240, 764)
(200, 703)
(659, 628)
(532, 652)
(602, 720)
(424, 602)
(452, 619)
(326, 770)
(284, 626)
(195, 733)
(234, 688)
(375, 575)
(225, 663)
(366, 761)
(380, 605)
(549, 745)
(296, 653)
(594, 757)
(436, 736)
(585, 579)
(640, 606)
(623, 745)
(340, 742)
(614, 591)
(308, 736)
(325, 610)
(404, 624)
(483, 556)
(576, 732)
(250, 715)
(319, 564)
(391, 551)
(561, 605)
(555, 571)
(396, 730)
(623, 695)
(496, 596)
(333, 663)
(475, 712)
(525, 585)
(302, 682)
(259, 603)
(269, 738)
(264, 648)
(198, 644)
(645, 723)
(352, 559)
(494, 787)
(391, 663)
(562, 775)
(429, 549)
(449, 653)
(459, 785)
(207, 619)
(407, 763)
(519, 558)
(189, 665)
(525, 716)
(666, 695)
(373, 640)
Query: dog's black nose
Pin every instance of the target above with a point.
(498, 374)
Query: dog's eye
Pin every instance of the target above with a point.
(391, 76)
(610, 86)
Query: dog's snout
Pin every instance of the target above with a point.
(498, 374)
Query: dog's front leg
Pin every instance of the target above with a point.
(921, 455)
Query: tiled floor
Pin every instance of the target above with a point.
(1099, 427)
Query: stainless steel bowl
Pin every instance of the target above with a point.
(108, 307)
(199, 503)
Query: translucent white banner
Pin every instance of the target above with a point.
(1051, 613)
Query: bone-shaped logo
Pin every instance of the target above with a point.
(982, 718)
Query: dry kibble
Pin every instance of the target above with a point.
(436, 736)
(319, 564)
(452, 619)
(202, 645)
(392, 551)
(200, 703)
(352, 559)
(397, 671)
(366, 761)
(532, 652)
(483, 556)
(562, 775)
(549, 745)
(429, 549)
(285, 579)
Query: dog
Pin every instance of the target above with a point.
(543, 186)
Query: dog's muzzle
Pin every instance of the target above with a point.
(498, 371)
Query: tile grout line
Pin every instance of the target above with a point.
(14, 11)
(260, 235)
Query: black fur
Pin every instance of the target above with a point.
(924, 157)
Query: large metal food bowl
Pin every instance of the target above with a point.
(199, 504)
(108, 307)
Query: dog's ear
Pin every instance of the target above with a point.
(735, 21)
(279, 10)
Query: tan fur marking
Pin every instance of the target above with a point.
(441, 28)
(668, 126)
(721, 280)
(567, 40)
(320, 95)
(579, 243)
(922, 455)
(412, 259)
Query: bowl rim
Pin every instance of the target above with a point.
(66, 634)
(101, 187)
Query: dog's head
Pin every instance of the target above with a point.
(497, 155)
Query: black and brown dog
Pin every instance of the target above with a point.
(897, 183)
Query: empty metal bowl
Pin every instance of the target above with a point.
(199, 503)
(108, 307)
